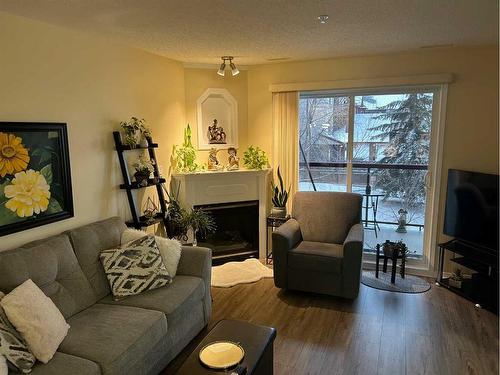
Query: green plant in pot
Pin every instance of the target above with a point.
(280, 197)
(143, 169)
(456, 279)
(136, 132)
(184, 156)
(255, 158)
(175, 222)
(199, 221)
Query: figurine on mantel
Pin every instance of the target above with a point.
(216, 133)
(213, 163)
(233, 160)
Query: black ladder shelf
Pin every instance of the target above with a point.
(140, 221)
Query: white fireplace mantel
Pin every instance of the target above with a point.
(213, 187)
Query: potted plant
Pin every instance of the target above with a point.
(175, 225)
(397, 249)
(280, 197)
(199, 221)
(136, 132)
(255, 158)
(184, 156)
(456, 279)
(143, 169)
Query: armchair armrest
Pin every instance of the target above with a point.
(286, 237)
(197, 261)
(355, 235)
(351, 264)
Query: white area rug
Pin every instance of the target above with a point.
(233, 273)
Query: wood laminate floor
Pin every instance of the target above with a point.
(378, 333)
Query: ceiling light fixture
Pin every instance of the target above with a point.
(234, 69)
(323, 18)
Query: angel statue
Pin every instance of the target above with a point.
(233, 159)
(213, 163)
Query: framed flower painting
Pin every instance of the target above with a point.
(35, 175)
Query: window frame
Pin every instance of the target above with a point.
(425, 265)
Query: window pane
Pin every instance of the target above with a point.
(323, 143)
(390, 157)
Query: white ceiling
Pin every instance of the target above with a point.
(200, 31)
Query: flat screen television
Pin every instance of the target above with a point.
(471, 212)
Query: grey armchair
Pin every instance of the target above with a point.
(320, 248)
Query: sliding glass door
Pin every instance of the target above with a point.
(375, 144)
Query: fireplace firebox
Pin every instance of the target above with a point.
(237, 233)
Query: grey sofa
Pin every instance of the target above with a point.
(320, 248)
(136, 335)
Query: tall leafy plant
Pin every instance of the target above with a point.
(184, 156)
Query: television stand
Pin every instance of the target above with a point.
(482, 287)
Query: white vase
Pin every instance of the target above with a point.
(195, 240)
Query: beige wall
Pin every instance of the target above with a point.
(471, 134)
(196, 82)
(52, 74)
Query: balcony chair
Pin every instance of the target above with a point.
(320, 248)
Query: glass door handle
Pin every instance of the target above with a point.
(428, 180)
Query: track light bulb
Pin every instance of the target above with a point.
(222, 69)
(234, 69)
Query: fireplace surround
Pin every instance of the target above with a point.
(238, 202)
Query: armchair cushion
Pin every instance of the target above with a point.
(326, 216)
(316, 256)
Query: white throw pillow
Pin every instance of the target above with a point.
(36, 318)
(170, 250)
(3, 366)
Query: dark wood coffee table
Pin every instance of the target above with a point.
(256, 340)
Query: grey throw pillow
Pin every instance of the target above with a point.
(135, 267)
(13, 347)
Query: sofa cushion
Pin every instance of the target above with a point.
(65, 364)
(115, 337)
(170, 249)
(135, 267)
(175, 300)
(316, 256)
(88, 242)
(52, 265)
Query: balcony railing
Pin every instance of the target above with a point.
(369, 166)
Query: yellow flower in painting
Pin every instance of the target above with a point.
(28, 194)
(13, 155)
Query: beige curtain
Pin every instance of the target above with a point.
(286, 139)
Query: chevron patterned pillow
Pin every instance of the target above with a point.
(135, 267)
(13, 347)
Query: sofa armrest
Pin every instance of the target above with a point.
(351, 263)
(286, 237)
(197, 261)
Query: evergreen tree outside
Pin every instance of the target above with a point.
(407, 125)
